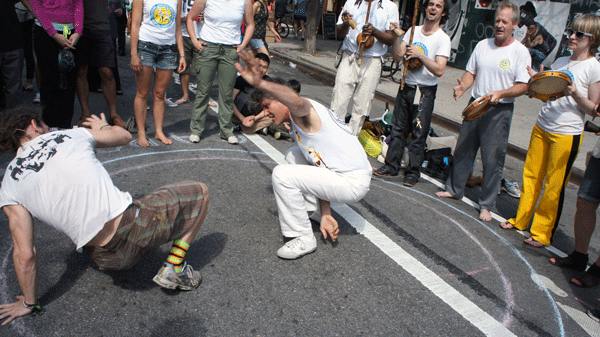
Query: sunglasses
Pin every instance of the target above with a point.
(578, 35)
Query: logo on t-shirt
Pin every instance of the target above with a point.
(568, 72)
(162, 15)
(504, 64)
(35, 160)
(421, 47)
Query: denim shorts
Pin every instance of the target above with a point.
(159, 56)
(590, 186)
(256, 43)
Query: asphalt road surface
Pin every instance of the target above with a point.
(406, 263)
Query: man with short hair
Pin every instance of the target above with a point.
(97, 50)
(357, 77)
(431, 46)
(249, 120)
(57, 178)
(329, 164)
(498, 69)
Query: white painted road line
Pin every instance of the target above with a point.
(459, 303)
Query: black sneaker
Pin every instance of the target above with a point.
(410, 180)
(385, 171)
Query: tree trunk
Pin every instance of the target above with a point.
(313, 19)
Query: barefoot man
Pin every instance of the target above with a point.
(498, 69)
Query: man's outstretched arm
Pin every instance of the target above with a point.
(298, 106)
(25, 260)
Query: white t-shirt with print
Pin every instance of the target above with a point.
(564, 116)
(436, 44)
(59, 180)
(381, 16)
(159, 22)
(498, 68)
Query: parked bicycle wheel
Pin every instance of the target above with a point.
(283, 29)
(397, 71)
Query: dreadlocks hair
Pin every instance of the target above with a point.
(13, 123)
(445, 11)
(256, 96)
(358, 2)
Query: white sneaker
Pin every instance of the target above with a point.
(233, 140)
(511, 188)
(170, 103)
(37, 98)
(297, 247)
(194, 139)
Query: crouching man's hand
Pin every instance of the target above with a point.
(329, 227)
(13, 310)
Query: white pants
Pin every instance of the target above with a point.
(355, 88)
(298, 183)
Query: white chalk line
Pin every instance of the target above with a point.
(458, 302)
(495, 216)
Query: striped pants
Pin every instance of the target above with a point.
(160, 217)
(550, 156)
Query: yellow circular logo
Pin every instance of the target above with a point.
(504, 64)
(162, 15)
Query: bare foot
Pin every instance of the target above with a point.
(534, 243)
(444, 194)
(143, 141)
(485, 215)
(163, 138)
(507, 225)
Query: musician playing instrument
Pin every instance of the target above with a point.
(430, 45)
(497, 68)
(557, 134)
(355, 84)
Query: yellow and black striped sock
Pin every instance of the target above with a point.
(177, 254)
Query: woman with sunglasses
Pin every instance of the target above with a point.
(557, 135)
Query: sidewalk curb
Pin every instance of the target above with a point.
(328, 77)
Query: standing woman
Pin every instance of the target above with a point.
(154, 30)
(556, 137)
(58, 26)
(218, 45)
(261, 22)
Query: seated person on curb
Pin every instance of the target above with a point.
(57, 178)
(249, 120)
(328, 164)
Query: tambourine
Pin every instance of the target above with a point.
(548, 85)
(476, 109)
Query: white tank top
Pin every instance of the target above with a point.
(159, 22)
(223, 22)
(334, 147)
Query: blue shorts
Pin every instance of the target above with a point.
(159, 56)
(256, 43)
(590, 186)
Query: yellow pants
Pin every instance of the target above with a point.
(549, 156)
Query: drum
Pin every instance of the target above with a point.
(476, 109)
(548, 85)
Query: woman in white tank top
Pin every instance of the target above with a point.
(219, 41)
(156, 43)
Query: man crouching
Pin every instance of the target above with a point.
(57, 178)
(329, 164)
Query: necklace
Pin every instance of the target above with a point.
(571, 64)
